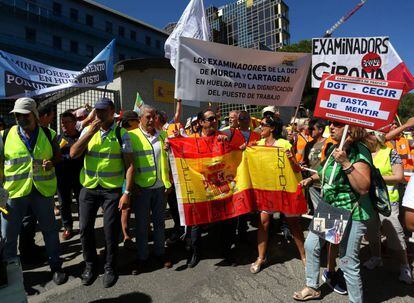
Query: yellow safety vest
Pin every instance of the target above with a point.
(382, 161)
(103, 164)
(144, 160)
(22, 169)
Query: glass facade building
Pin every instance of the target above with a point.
(259, 24)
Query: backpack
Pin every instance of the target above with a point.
(378, 191)
(118, 135)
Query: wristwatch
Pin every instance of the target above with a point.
(128, 193)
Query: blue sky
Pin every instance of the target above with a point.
(308, 18)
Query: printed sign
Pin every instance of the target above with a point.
(356, 57)
(221, 73)
(163, 91)
(21, 77)
(362, 102)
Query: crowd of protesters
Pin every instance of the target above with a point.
(121, 165)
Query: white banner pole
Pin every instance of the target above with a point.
(341, 145)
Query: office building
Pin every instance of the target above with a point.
(69, 33)
(259, 24)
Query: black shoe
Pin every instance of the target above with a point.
(59, 277)
(173, 239)
(137, 268)
(228, 261)
(286, 232)
(130, 245)
(193, 261)
(109, 278)
(88, 276)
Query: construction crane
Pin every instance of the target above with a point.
(329, 32)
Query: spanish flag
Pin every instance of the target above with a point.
(215, 180)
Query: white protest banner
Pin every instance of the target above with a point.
(216, 72)
(20, 76)
(357, 57)
(362, 102)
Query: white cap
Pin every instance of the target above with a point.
(269, 108)
(25, 106)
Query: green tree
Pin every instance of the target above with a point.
(309, 94)
(406, 108)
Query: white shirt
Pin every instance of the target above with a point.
(156, 146)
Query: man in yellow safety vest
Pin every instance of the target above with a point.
(30, 155)
(108, 159)
(152, 178)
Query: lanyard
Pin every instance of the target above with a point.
(324, 170)
(29, 142)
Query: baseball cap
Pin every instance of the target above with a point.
(190, 121)
(25, 106)
(104, 103)
(270, 109)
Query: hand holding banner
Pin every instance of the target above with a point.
(216, 72)
(368, 103)
(216, 181)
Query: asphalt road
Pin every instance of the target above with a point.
(209, 281)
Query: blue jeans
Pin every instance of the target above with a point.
(42, 208)
(348, 259)
(154, 200)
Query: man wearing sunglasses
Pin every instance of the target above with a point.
(209, 124)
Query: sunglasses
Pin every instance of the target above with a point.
(210, 119)
(243, 118)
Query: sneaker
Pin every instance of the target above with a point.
(327, 276)
(335, 280)
(406, 275)
(372, 263)
(340, 285)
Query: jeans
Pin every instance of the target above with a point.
(42, 208)
(89, 202)
(150, 200)
(348, 259)
(27, 233)
(67, 185)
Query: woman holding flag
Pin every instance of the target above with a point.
(271, 133)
